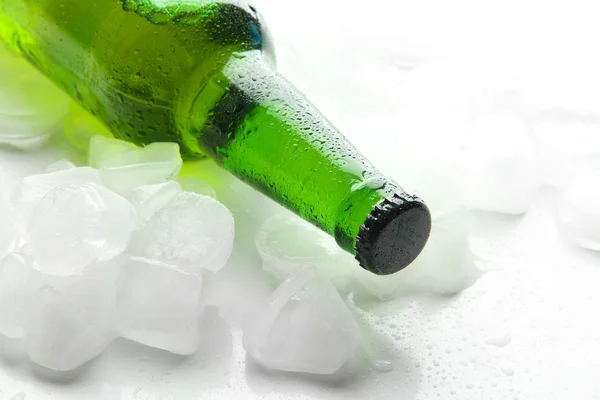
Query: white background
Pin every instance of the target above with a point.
(385, 71)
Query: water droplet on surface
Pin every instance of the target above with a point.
(508, 371)
(501, 340)
(383, 366)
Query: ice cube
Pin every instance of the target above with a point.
(75, 226)
(194, 232)
(71, 320)
(560, 158)
(197, 186)
(579, 211)
(287, 244)
(26, 91)
(16, 292)
(500, 164)
(30, 105)
(20, 132)
(248, 207)
(438, 180)
(305, 328)
(60, 165)
(7, 185)
(159, 306)
(444, 267)
(12, 351)
(124, 180)
(80, 127)
(10, 228)
(19, 396)
(35, 187)
(238, 290)
(108, 152)
(149, 199)
(123, 167)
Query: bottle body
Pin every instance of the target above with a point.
(125, 61)
(197, 73)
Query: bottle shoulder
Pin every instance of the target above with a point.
(173, 49)
(179, 43)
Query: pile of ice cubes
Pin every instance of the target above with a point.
(117, 248)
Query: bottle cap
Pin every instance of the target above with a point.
(394, 234)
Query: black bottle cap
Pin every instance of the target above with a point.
(394, 234)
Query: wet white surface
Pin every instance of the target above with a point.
(396, 76)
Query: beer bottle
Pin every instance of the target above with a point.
(201, 73)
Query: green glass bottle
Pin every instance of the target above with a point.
(201, 73)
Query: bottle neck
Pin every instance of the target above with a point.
(264, 131)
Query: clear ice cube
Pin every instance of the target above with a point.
(124, 166)
(105, 152)
(559, 158)
(159, 305)
(501, 165)
(579, 211)
(71, 320)
(75, 226)
(30, 105)
(60, 165)
(249, 207)
(10, 230)
(8, 185)
(287, 244)
(194, 232)
(196, 186)
(306, 328)
(35, 187)
(149, 199)
(16, 293)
